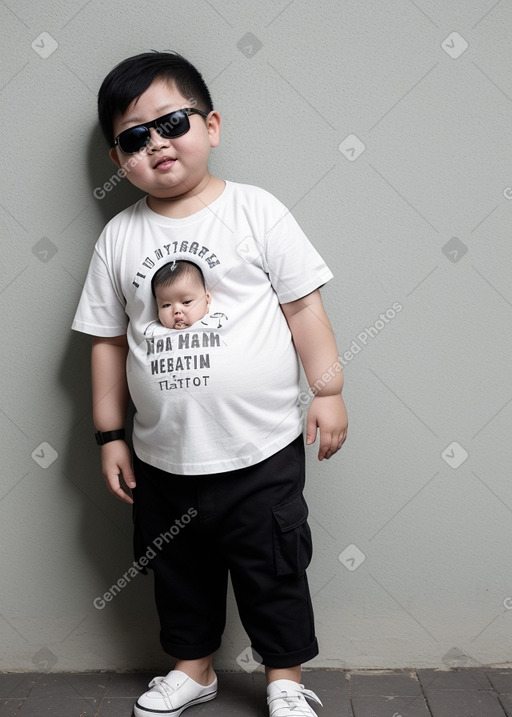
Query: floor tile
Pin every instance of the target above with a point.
(242, 692)
(10, 707)
(72, 686)
(469, 679)
(118, 707)
(389, 683)
(229, 704)
(501, 680)
(469, 692)
(58, 707)
(226, 708)
(391, 706)
(331, 686)
(506, 701)
(466, 703)
(246, 684)
(128, 684)
(17, 685)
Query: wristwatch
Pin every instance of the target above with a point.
(107, 436)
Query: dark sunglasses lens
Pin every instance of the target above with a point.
(174, 124)
(133, 139)
(136, 138)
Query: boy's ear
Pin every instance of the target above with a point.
(213, 123)
(113, 156)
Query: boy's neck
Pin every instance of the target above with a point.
(181, 206)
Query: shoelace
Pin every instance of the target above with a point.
(296, 701)
(165, 689)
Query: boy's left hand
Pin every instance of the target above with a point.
(328, 413)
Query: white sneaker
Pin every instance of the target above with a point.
(168, 696)
(288, 699)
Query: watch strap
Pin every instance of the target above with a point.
(103, 437)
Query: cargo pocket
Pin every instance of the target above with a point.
(293, 546)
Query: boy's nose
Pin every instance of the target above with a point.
(157, 141)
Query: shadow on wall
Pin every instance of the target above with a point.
(123, 618)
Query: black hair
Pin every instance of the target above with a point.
(132, 77)
(170, 272)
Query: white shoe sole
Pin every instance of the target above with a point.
(146, 712)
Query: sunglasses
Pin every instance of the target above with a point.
(175, 124)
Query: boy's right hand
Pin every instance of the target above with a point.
(116, 464)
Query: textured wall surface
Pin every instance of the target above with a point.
(385, 127)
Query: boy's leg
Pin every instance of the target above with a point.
(289, 673)
(267, 543)
(173, 530)
(201, 670)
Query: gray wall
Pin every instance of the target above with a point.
(412, 520)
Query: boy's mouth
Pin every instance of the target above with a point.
(164, 163)
(180, 325)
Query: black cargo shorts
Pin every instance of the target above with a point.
(250, 523)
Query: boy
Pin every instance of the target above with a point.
(180, 294)
(217, 427)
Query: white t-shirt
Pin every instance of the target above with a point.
(223, 393)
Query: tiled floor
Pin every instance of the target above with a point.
(417, 693)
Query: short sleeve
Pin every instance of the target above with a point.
(101, 309)
(294, 266)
